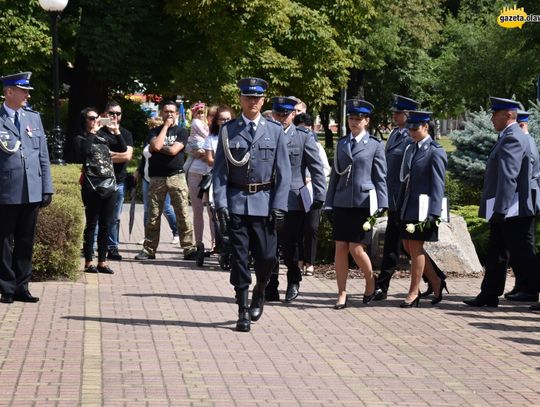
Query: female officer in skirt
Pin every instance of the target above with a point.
(357, 190)
(422, 173)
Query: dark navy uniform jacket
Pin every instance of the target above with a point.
(304, 153)
(507, 172)
(269, 162)
(395, 149)
(424, 173)
(535, 173)
(367, 172)
(24, 174)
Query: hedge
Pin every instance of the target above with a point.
(58, 242)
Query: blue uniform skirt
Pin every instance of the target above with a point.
(348, 224)
(427, 235)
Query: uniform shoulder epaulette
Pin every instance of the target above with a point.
(274, 122)
(435, 144)
(375, 138)
(27, 109)
(303, 130)
(342, 138)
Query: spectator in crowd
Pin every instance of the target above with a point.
(167, 176)
(198, 168)
(142, 174)
(93, 151)
(120, 160)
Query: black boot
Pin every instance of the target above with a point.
(257, 302)
(244, 323)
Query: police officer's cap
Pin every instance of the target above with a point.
(417, 117)
(503, 104)
(359, 107)
(283, 104)
(20, 80)
(252, 86)
(522, 116)
(403, 104)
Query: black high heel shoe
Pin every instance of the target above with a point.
(366, 299)
(439, 297)
(428, 291)
(343, 304)
(413, 303)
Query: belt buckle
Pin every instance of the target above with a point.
(252, 188)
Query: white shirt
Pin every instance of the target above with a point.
(11, 112)
(359, 137)
(256, 120)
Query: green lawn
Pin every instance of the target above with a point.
(447, 144)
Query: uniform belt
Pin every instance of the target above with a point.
(252, 188)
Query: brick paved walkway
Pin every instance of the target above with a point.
(160, 333)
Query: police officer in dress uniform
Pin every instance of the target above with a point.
(507, 204)
(422, 172)
(251, 179)
(357, 190)
(397, 142)
(303, 153)
(25, 186)
(521, 292)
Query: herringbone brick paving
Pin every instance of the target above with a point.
(160, 333)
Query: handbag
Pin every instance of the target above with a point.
(205, 184)
(105, 187)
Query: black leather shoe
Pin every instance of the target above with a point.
(244, 323)
(200, 254)
(379, 295)
(271, 295)
(535, 307)
(522, 296)
(257, 304)
(104, 270)
(292, 292)
(366, 299)
(7, 298)
(90, 269)
(513, 291)
(144, 256)
(25, 297)
(483, 301)
(114, 255)
(342, 305)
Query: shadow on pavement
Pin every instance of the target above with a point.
(148, 322)
(498, 315)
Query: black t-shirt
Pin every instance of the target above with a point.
(164, 165)
(117, 146)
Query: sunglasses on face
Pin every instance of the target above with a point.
(110, 113)
(223, 119)
(91, 117)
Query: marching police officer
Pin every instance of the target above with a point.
(303, 153)
(357, 191)
(507, 204)
(25, 186)
(251, 181)
(521, 292)
(398, 140)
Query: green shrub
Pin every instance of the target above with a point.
(58, 240)
(325, 243)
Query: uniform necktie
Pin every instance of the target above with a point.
(353, 143)
(252, 129)
(16, 121)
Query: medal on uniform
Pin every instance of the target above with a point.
(29, 131)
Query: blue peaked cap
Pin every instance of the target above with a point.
(252, 86)
(283, 104)
(522, 116)
(402, 103)
(359, 106)
(417, 117)
(20, 80)
(503, 104)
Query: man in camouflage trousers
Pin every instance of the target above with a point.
(165, 168)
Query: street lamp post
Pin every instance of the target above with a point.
(54, 8)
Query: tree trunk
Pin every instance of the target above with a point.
(87, 89)
(325, 122)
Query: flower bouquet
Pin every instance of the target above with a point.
(421, 226)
